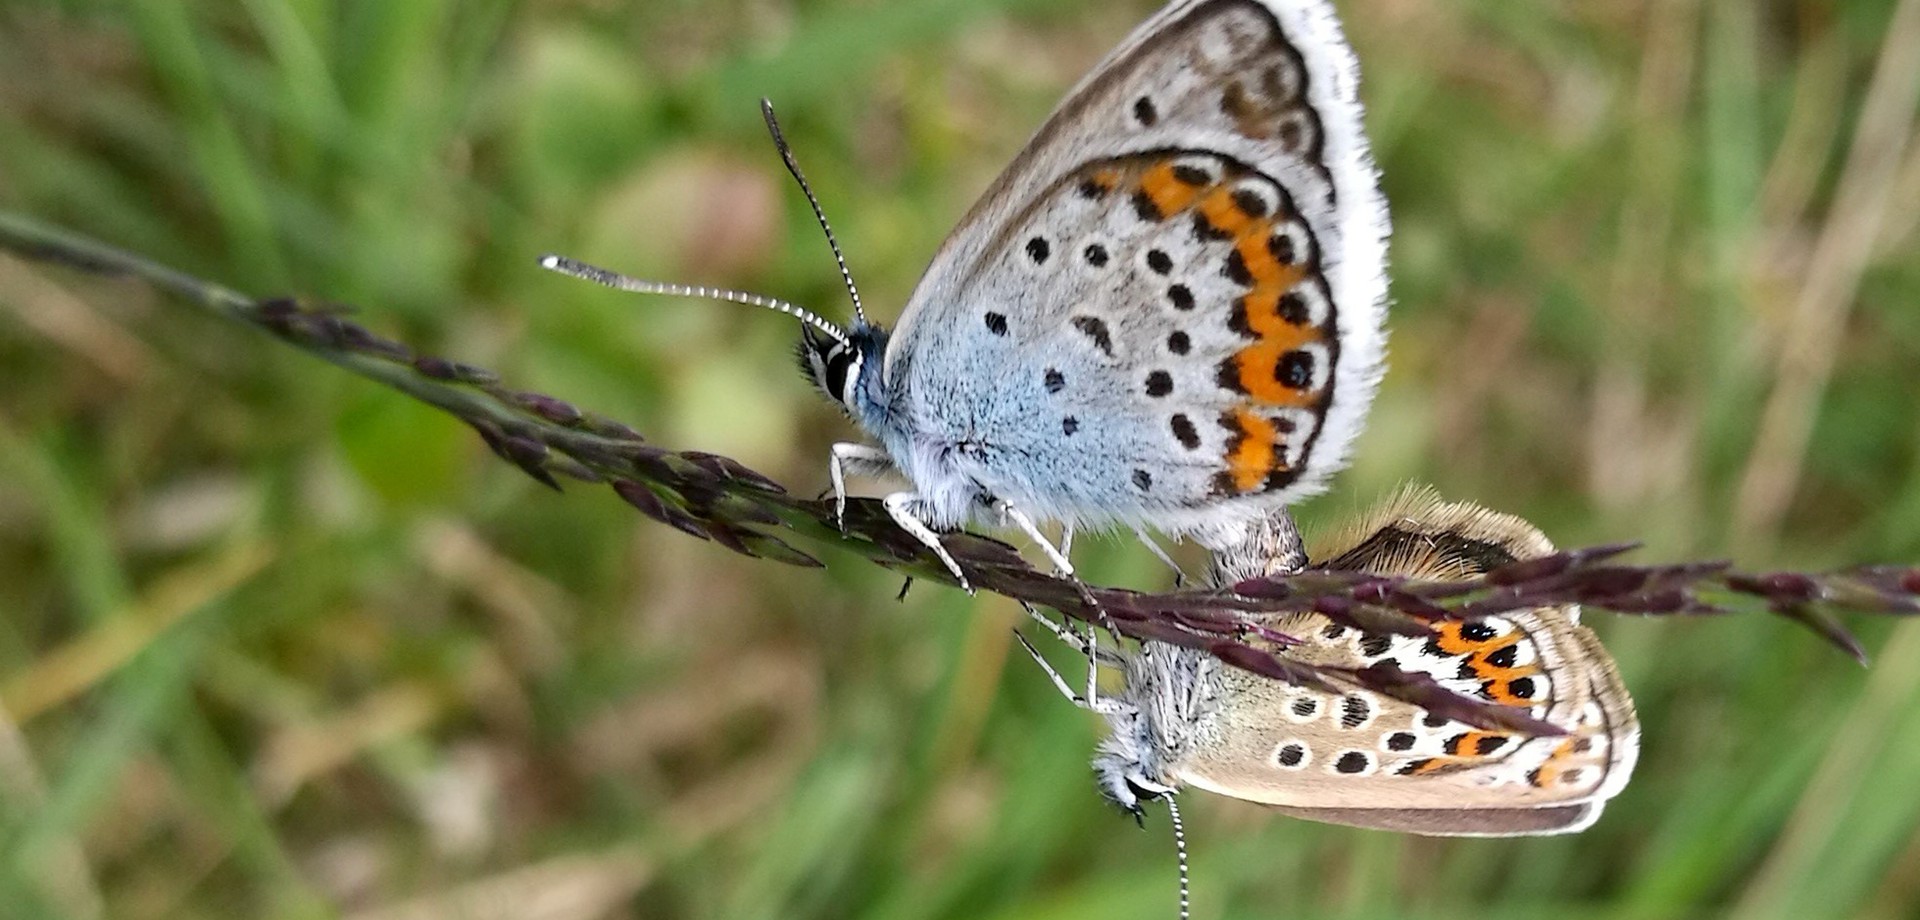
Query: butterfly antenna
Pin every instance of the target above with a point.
(1180, 855)
(820, 216)
(620, 282)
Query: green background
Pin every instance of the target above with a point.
(275, 642)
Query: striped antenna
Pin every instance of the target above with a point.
(620, 282)
(819, 216)
(1180, 853)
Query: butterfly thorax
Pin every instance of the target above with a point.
(1171, 694)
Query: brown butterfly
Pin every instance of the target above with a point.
(1182, 718)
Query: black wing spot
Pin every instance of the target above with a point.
(1353, 762)
(1354, 712)
(1069, 425)
(1147, 211)
(1142, 479)
(1144, 112)
(1184, 431)
(1188, 174)
(1282, 248)
(1291, 755)
(1180, 296)
(1179, 343)
(996, 324)
(1237, 319)
(1038, 249)
(1204, 231)
(1055, 380)
(1095, 329)
(1400, 741)
(1159, 383)
(1293, 308)
(1159, 261)
(1251, 203)
(1228, 377)
(1096, 255)
(1305, 708)
(1295, 370)
(1236, 269)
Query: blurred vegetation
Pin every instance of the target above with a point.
(275, 642)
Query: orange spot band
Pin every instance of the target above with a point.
(1499, 692)
(1163, 187)
(1220, 211)
(1258, 365)
(1254, 456)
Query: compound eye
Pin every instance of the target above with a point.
(833, 370)
(1145, 790)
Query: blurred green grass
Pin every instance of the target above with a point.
(277, 643)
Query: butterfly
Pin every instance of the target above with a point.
(1183, 718)
(1165, 313)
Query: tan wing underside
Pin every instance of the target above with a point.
(1486, 784)
(1454, 822)
(1257, 721)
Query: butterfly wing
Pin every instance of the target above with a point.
(1172, 299)
(1359, 759)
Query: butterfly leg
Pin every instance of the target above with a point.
(862, 459)
(1058, 558)
(1059, 683)
(900, 506)
(1090, 700)
(1026, 525)
(1083, 645)
(1093, 671)
(1159, 552)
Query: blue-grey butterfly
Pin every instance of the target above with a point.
(1166, 313)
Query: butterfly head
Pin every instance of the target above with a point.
(846, 367)
(1123, 773)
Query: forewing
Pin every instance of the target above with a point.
(1188, 260)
